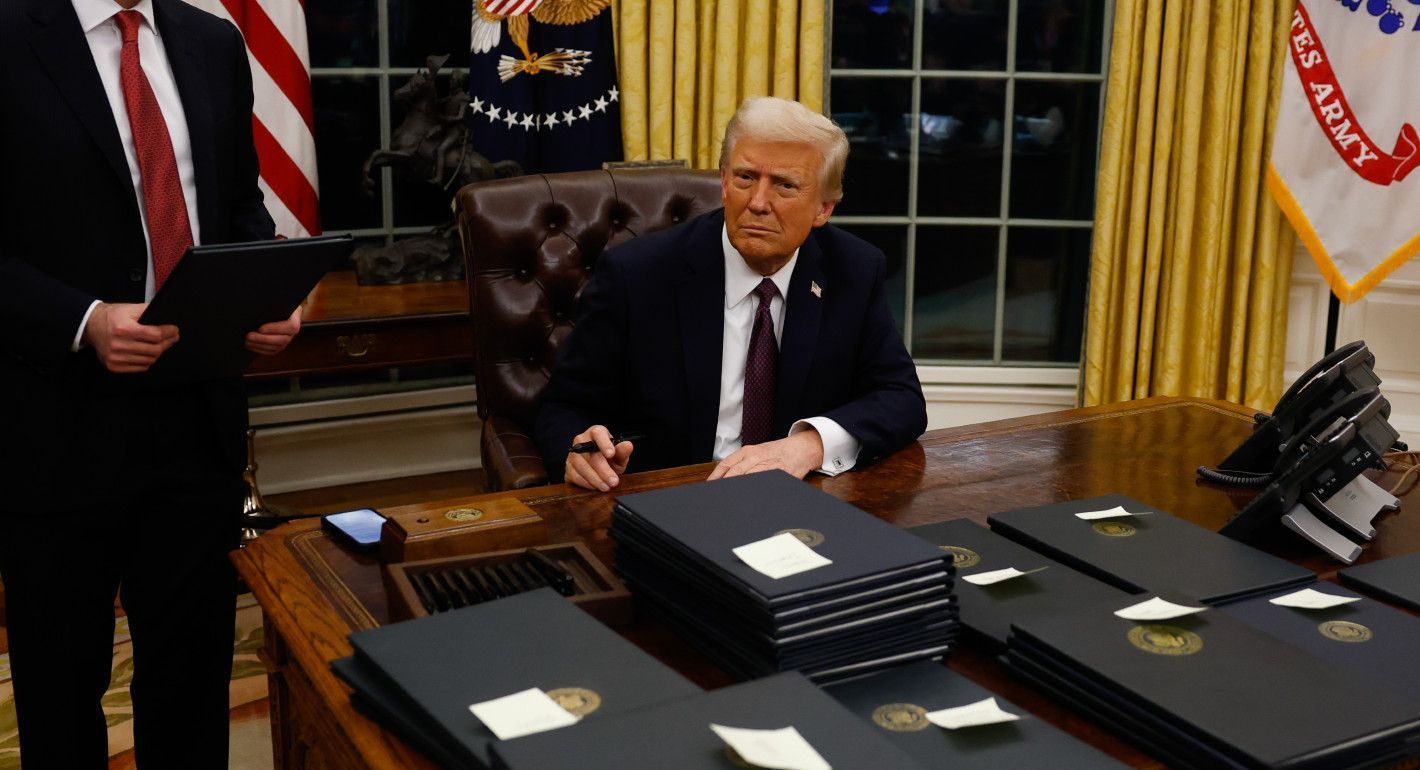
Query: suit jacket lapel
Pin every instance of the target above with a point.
(700, 302)
(802, 314)
(59, 44)
(190, 74)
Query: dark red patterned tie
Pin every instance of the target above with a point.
(761, 368)
(169, 232)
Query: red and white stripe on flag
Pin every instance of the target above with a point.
(511, 7)
(282, 124)
(1346, 149)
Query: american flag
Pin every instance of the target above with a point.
(282, 124)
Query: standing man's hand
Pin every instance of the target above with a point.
(272, 338)
(601, 469)
(798, 454)
(122, 343)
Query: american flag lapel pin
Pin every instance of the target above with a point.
(816, 289)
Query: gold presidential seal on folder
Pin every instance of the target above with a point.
(578, 701)
(901, 717)
(1345, 631)
(1114, 528)
(962, 558)
(808, 537)
(1161, 639)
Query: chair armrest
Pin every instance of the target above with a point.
(510, 458)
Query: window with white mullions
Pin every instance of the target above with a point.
(975, 130)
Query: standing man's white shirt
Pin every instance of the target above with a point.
(106, 42)
(840, 449)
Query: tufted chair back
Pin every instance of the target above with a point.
(530, 243)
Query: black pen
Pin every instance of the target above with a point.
(587, 447)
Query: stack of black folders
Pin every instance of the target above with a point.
(897, 702)
(419, 677)
(885, 598)
(1223, 688)
(679, 735)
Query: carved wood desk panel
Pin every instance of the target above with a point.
(314, 592)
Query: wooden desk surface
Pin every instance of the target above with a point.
(315, 593)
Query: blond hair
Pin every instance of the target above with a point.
(772, 119)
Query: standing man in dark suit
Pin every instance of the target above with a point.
(757, 335)
(127, 138)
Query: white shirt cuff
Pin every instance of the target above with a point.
(840, 449)
(84, 322)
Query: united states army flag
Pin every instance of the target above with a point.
(1345, 151)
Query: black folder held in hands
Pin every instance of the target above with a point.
(217, 294)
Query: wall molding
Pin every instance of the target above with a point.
(352, 450)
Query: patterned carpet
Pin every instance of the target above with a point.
(248, 686)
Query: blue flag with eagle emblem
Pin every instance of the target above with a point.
(542, 84)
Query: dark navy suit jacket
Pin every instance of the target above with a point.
(645, 353)
(71, 232)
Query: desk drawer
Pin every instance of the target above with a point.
(324, 348)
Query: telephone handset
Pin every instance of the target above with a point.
(1315, 487)
(1346, 370)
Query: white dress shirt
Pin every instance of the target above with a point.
(840, 449)
(106, 43)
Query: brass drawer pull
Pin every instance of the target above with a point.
(355, 345)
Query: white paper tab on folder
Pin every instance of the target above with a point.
(1309, 599)
(1113, 513)
(982, 712)
(1156, 609)
(782, 749)
(780, 556)
(522, 713)
(997, 575)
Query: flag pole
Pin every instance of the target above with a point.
(1333, 315)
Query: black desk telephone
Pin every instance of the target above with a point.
(1308, 455)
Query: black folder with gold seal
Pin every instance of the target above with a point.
(1369, 639)
(1153, 551)
(1219, 691)
(433, 668)
(898, 700)
(678, 735)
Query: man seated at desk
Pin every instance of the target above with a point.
(757, 335)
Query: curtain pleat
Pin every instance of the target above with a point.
(685, 66)
(1191, 260)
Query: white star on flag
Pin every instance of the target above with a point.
(550, 119)
(614, 94)
(601, 104)
(476, 105)
(510, 119)
(568, 117)
(527, 121)
(493, 113)
(586, 111)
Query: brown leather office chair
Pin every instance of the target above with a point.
(530, 243)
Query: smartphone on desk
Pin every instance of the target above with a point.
(360, 528)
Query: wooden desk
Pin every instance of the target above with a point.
(315, 593)
(349, 327)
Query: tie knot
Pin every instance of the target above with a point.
(766, 291)
(128, 24)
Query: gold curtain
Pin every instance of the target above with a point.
(685, 66)
(1192, 258)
